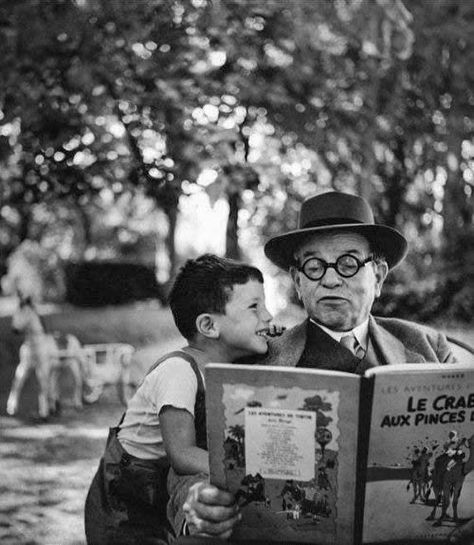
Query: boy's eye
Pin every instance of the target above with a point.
(254, 306)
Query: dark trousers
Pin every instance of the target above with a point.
(126, 502)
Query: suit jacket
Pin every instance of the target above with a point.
(396, 341)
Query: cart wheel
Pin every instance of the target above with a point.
(92, 393)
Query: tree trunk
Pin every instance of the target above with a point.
(85, 222)
(170, 243)
(454, 201)
(396, 185)
(232, 248)
(25, 220)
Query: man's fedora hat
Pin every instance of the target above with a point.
(342, 212)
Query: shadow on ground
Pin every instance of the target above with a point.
(46, 468)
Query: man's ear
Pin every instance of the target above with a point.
(381, 271)
(296, 280)
(206, 325)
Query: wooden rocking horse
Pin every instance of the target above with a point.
(45, 355)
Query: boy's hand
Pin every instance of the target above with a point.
(275, 330)
(210, 511)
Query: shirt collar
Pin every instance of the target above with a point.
(360, 332)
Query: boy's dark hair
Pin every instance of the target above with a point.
(204, 285)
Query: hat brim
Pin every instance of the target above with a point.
(384, 240)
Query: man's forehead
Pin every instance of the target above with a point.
(337, 241)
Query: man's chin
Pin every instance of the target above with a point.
(335, 324)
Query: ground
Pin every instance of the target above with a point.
(45, 472)
(46, 469)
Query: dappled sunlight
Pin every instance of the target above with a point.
(136, 135)
(201, 225)
(46, 470)
(8, 305)
(48, 431)
(44, 503)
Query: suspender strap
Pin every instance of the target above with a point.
(185, 356)
(176, 354)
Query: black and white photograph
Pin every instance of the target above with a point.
(283, 189)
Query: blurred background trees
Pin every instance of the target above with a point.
(128, 127)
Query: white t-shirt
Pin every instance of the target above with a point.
(173, 382)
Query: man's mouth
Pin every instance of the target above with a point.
(332, 299)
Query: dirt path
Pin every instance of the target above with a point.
(45, 471)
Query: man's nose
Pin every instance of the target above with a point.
(331, 278)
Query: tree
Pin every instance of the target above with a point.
(237, 432)
(278, 100)
(96, 103)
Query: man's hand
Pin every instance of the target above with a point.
(275, 330)
(463, 535)
(210, 511)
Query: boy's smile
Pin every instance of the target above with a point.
(243, 327)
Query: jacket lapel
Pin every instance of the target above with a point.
(391, 349)
(321, 349)
(287, 349)
(323, 352)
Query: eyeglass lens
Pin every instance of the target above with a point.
(346, 265)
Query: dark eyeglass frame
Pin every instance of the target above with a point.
(334, 266)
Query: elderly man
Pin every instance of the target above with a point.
(338, 259)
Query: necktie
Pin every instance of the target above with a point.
(350, 342)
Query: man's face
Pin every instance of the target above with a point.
(338, 303)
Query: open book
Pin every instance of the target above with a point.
(333, 458)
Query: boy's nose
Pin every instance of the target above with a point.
(266, 316)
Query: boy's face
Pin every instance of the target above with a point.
(243, 327)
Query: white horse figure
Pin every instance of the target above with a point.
(41, 353)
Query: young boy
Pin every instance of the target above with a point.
(218, 305)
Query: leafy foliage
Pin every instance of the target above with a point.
(101, 100)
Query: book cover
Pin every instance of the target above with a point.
(284, 440)
(420, 478)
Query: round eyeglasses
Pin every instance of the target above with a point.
(345, 265)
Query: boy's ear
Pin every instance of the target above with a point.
(206, 325)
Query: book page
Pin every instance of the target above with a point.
(285, 441)
(280, 444)
(420, 480)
